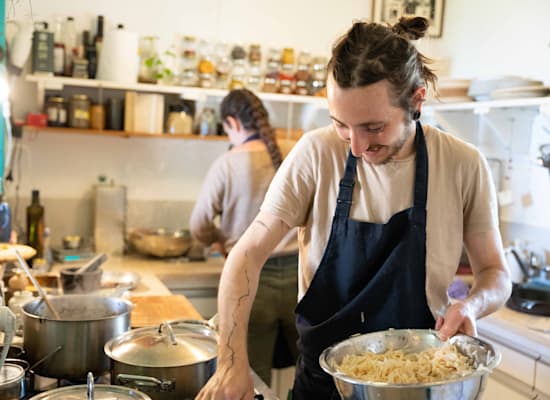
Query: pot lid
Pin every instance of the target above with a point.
(10, 373)
(172, 344)
(101, 392)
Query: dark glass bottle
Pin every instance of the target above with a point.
(98, 39)
(90, 53)
(35, 225)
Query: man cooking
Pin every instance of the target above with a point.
(383, 204)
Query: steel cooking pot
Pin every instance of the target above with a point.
(171, 361)
(12, 381)
(91, 391)
(73, 345)
(468, 387)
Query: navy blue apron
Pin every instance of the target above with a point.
(372, 277)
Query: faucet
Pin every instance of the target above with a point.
(544, 158)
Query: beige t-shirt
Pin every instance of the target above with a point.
(461, 198)
(233, 190)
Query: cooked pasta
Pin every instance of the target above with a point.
(395, 366)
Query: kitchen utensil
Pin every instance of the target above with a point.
(160, 242)
(41, 292)
(73, 282)
(468, 387)
(86, 323)
(12, 381)
(7, 326)
(91, 391)
(170, 361)
(93, 264)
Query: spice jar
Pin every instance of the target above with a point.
(97, 116)
(271, 78)
(79, 111)
(302, 73)
(56, 109)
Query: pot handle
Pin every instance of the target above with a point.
(146, 381)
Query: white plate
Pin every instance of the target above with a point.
(520, 92)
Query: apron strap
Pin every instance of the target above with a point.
(345, 192)
(421, 178)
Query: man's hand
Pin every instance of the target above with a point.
(459, 318)
(234, 383)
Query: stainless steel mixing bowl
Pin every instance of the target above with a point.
(468, 387)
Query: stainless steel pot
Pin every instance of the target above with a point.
(12, 382)
(172, 361)
(91, 391)
(73, 345)
(160, 242)
(468, 387)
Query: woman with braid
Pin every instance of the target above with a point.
(233, 190)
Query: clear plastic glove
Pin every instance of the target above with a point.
(458, 319)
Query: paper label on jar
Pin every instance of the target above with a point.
(62, 116)
(52, 114)
(82, 114)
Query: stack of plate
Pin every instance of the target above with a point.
(506, 87)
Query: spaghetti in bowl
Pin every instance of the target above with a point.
(412, 364)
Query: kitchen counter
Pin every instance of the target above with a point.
(153, 271)
(526, 333)
(180, 272)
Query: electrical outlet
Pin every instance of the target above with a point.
(505, 198)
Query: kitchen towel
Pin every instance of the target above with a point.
(119, 58)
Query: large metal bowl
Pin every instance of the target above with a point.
(468, 387)
(160, 242)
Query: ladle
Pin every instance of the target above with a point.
(41, 292)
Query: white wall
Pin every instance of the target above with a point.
(491, 37)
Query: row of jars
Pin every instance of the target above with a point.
(79, 112)
(208, 65)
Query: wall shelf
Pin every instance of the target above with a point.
(292, 134)
(47, 82)
(123, 134)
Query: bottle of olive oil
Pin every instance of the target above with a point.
(35, 225)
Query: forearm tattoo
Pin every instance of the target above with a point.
(239, 300)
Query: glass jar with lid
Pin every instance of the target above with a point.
(56, 110)
(79, 111)
(180, 120)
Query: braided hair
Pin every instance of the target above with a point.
(245, 106)
(371, 52)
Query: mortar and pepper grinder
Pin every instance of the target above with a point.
(84, 279)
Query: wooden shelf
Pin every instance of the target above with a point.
(124, 134)
(282, 133)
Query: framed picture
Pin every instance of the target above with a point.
(390, 11)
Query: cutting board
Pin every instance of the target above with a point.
(153, 310)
